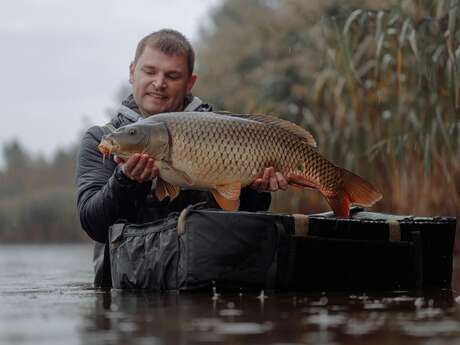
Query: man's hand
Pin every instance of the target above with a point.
(271, 181)
(138, 167)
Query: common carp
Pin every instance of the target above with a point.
(223, 152)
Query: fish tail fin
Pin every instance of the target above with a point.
(354, 191)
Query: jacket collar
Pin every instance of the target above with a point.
(130, 110)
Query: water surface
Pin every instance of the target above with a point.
(46, 297)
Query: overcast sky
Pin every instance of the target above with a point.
(61, 62)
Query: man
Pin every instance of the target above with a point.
(162, 79)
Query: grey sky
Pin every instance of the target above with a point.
(61, 62)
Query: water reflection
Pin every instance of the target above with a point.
(121, 317)
(49, 301)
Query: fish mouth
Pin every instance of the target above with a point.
(108, 147)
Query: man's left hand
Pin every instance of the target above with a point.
(271, 181)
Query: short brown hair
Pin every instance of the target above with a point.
(169, 42)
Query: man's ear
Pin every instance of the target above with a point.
(132, 66)
(191, 82)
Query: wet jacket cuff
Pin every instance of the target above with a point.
(126, 189)
(122, 179)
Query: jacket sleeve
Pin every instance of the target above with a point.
(104, 193)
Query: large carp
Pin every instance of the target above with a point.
(223, 152)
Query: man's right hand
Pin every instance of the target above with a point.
(138, 167)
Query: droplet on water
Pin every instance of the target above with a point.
(215, 295)
(418, 303)
(262, 295)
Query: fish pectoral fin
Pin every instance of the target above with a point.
(226, 204)
(160, 189)
(173, 191)
(164, 189)
(228, 196)
(230, 191)
(179, 174)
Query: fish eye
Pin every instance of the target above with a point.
(132, 131)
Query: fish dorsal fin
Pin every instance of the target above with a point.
(277, 122)
(164, 189)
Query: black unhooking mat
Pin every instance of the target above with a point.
(197, 248)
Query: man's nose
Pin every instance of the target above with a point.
(159, 81)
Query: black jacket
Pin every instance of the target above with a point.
(105, 194)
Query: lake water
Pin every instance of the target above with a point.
(46, 297)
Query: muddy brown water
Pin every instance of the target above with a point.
(46, 297)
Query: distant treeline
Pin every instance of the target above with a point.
(376, 82)
(37, 197)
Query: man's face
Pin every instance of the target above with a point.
(160, 82)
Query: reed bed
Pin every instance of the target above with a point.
(389, 101)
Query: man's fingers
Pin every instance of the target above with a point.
(263, 185)
(118, 160)
(260, 185)
(271, 181)
(256, 183)
(268, 172)
(273, 184)
(274, 180)
(129, 165)
(147, 172)
(139, 168)
(282, 182)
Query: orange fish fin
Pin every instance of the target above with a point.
(226, 204)
(163, 189)
(360, 192)
(340, 204)
(230, 191)
(355, 190)
(160, 190)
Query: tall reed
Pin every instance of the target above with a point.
(386, 104)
